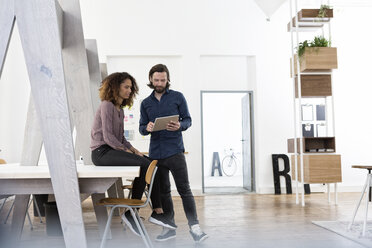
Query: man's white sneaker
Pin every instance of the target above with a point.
(197, 234)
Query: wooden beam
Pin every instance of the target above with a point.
(18, 219)
(33, 139)
(94, 71)
(101, 214)
(77, 77)
(39, 23)
(7, 19)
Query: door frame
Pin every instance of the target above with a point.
(251, 111)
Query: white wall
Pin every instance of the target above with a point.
(196, 28)
(14, 97)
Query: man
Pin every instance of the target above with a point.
(167, 147)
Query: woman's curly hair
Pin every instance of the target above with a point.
(110, 87)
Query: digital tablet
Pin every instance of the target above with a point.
(161, 122)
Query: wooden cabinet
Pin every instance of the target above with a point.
(318, 168)
(314, 86)
(314, 144)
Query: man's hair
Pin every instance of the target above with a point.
(110, 87)
(158, 68)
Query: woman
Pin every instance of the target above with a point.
(110, 148)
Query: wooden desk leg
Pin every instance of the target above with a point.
(119, 190)
(367, 201)
(111, 192)
(101, 214)
(18, 220)
(359, 202)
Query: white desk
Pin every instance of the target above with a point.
(15, 171)
(25, 180)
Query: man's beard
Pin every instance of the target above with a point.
(159, 89)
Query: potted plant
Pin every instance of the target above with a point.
(316, 55)
(312, 18)
(319, 41)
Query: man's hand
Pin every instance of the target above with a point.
(173, 126)
(149, 127)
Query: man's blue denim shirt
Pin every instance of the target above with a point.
(165, 143)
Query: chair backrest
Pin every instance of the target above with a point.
(150, 172)
(150, 176)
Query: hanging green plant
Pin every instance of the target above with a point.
(323, 11)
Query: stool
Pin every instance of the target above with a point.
(368, 184)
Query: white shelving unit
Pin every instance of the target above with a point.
(296, 28)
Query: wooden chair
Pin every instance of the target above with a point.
(132, 205)
(129, 187)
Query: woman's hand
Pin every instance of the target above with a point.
(122, 149)
(135, 151)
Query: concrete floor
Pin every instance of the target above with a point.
(232, 221)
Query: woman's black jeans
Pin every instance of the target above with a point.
(106, 156)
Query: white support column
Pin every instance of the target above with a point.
(94, 71)
(329, 193)
(336, 200)
(40, 23)
(7, 19)
(75, 65)
(299, 149)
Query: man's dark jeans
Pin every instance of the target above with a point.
(176, 164)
